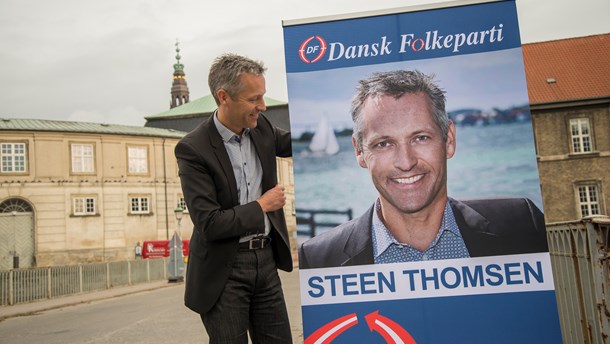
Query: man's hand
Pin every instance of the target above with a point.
(273, 199)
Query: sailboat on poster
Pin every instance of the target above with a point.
(324, 141)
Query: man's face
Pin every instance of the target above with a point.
(243, 110)
(405, 153)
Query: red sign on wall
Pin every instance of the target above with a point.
(160, 248)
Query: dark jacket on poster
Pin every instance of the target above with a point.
(210, 192)
(489, 227)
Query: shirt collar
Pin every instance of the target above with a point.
(225, 132)
(382, 238)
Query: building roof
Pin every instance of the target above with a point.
(203, 105)
(16, 124)
(568, 69)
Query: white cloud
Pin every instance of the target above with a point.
(102, 56)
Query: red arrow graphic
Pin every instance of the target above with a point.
(392, 332)
(330, 331)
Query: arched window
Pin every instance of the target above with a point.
(15, 204)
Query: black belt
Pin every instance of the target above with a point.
(255, 243)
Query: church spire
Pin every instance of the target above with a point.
(180, 90)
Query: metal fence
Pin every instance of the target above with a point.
(26, 285)
(579, 254)
(313, 219)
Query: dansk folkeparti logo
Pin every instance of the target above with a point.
(314, 48)
(317, 49)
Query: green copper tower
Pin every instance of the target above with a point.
(180, 90)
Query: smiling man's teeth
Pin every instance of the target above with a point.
(409, 180)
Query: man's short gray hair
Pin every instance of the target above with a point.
(396, 84)
(226, 70)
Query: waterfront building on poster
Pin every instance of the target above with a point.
(569, 89)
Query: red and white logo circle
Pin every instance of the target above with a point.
(312, 49)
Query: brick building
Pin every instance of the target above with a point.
(569, 90)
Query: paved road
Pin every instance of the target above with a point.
(153, 316)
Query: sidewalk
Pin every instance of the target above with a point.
(45, 305)
(290, 284)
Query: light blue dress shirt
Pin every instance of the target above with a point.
(448, 243)
(246, 168)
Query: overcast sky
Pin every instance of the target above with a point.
(111, 61)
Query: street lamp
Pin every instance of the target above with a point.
(176, 259)
(178, 212)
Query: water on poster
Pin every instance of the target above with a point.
(490, 161)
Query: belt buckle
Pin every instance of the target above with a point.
(251, 242)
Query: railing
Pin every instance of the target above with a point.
(579, 255)
(27, 285)
(308, 217)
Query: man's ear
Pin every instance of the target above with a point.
(360, 158)
(451, 143)
(359, 154)
(222, 95)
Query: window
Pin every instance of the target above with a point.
(139, 204)
(137, 159)
(82, 158)
(588, 197)
(182, 203)
(15, 205)
(13, 157)
(581, 135)
(84, 205)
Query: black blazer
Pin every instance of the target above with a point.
(489, 227)
(210, 192)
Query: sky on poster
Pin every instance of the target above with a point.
(483, 81)
(111, 61)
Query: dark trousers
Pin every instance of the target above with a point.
(252, 301)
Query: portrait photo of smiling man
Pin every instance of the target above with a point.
(403, 136)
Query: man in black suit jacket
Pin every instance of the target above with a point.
(403, 136)
(227, 168)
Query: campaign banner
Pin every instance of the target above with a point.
(477, 300)
(408, 118)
